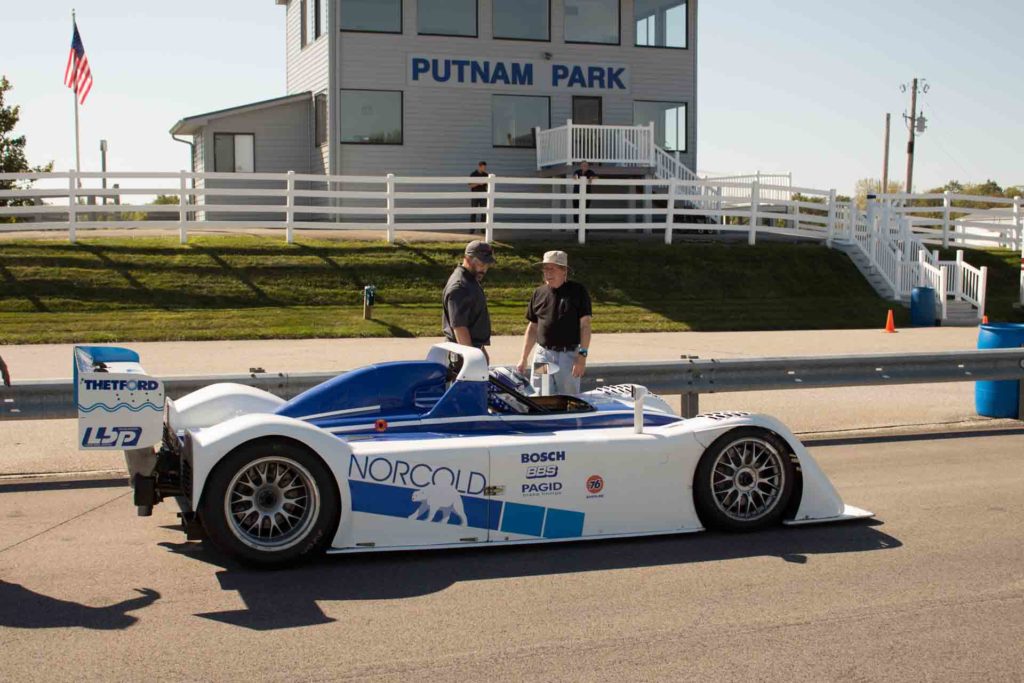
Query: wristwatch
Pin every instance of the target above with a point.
(582, 351)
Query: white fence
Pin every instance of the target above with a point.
(937, 220)
(891, 234)
(573, 143)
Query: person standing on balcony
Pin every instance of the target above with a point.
(464, 316)
(480, 172)
(584, 171)
(558, 326)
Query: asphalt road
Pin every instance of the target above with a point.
(932, 589)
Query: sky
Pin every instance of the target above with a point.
(798, 86)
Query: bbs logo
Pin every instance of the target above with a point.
(541, 471)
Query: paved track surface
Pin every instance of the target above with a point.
(933, 589)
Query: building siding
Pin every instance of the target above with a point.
(308, 69)
(446, 131)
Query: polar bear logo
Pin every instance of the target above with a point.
(441, 498)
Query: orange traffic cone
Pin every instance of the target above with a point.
(984, 320)
(890, 324)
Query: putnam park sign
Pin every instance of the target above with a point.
(517, 74)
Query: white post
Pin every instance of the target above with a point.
(670, 209)
(570, 158)
(182, 206)
(943, 285)
(650, 143)
(489, 209)
(1022, 271)
(946, 203)
(289, 208)
(1018, 221)
(72, 205)
(851, 220)
(958, 276)
(920, 271)
(754, 200)
(390, 200)
(982, 286)
(582, 230)
(831, 218)
(886, 219)
(872, 219)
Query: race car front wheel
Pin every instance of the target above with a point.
(744, 480)
(270, 502)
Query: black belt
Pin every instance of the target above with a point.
(561, 349)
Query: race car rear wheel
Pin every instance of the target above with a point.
(744, 480)
(270, 502)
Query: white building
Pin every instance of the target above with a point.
(431, 87)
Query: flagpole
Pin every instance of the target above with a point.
(74, 93)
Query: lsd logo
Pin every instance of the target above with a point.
(595, 485)
(112, 437)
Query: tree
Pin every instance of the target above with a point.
(12, 149)
(866, 186)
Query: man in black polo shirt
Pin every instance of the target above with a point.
(464, 316)
(480, 172)
(558, 318)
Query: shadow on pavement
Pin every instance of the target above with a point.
(289, 598)
(23, 608)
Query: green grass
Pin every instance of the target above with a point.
(105, 290)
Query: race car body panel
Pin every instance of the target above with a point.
(444, 453)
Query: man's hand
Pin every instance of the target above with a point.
(5, 373)
(579, 366)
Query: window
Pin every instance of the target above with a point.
(379, 16)
(661, 23)
(320, 118)
(521, 19)
(447, 17)
(303, 23)
(586, 111)
(234, 152)
(513, 118)
(371, 117)
(592, 21)
(318, 18)
(669, 120)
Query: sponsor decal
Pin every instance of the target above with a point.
(418, 475)
(546, 456)
(121, 385)
(542, 471)
(542, 488)
(595, 486)
(111, 437)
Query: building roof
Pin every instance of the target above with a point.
(191, 125)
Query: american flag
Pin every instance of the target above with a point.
(77, 74)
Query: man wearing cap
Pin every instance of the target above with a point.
(464, 316)
(558, 324)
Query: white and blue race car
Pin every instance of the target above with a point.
(440, 453)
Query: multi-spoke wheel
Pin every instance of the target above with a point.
(744, 480)
(270, 502)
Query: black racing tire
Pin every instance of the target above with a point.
(744, 480)
(270, 503)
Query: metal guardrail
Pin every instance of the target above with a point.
(689, 378)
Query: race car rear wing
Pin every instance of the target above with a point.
(119, 405)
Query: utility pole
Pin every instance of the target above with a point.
(915, 124)
(885, 162)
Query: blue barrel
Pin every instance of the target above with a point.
(922, 307)
(998, 399)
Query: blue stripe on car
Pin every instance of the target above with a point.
(481, 513)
